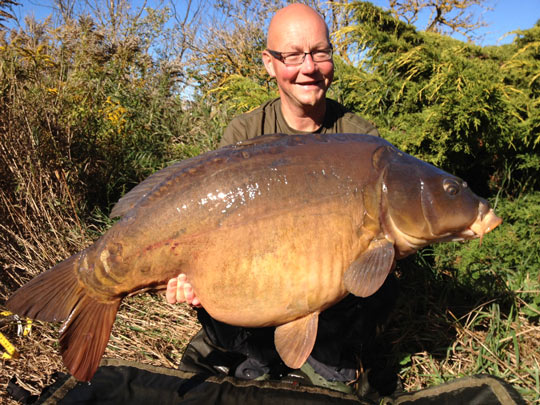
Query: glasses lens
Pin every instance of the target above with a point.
(293, 58)
(322, 55)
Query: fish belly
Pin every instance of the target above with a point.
(274, 269)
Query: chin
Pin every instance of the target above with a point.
(311, 100)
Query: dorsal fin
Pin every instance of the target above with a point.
(141, 190)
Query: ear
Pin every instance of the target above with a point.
(268, 63)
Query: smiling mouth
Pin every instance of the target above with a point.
(313, 83)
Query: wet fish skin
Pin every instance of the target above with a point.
(269, 232)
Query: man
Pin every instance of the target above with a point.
(299, 57)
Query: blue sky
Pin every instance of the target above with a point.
(506, 16)
(510, 15)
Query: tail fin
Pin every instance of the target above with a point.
(57, 295)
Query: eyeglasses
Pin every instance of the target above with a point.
(297, 58)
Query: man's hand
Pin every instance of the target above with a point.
(178, 290)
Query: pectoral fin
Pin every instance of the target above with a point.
(294, 340)
(368, 272)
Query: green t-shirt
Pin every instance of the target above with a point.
(268, 119)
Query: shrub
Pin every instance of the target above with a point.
(470, 110)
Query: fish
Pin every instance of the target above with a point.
(269, 231)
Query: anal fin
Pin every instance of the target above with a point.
(368, 272)
(295, 340)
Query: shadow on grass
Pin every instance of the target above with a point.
(427, 307)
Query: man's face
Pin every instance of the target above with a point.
(306, 84)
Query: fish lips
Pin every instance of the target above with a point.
(485, 222)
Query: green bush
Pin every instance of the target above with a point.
(507, 261)
(473, 111)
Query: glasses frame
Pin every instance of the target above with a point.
(282, 55)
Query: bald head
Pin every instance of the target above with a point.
(298, 29)
(295, 21)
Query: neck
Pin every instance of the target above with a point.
(304, 118)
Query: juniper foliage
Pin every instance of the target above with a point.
(469, 109)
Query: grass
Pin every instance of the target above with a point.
(484, 342)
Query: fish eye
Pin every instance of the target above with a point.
(451, 186)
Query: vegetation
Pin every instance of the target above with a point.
(92, 104)
(454, 104)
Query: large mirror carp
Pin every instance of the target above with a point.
(270, 232)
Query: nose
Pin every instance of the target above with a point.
(308, 66)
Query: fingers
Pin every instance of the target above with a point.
(187, 291)
(190, 296)
(179, 290)
(171, 292)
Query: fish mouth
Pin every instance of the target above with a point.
(484, 223)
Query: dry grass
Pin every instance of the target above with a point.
(39, 225)
(472, 353)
